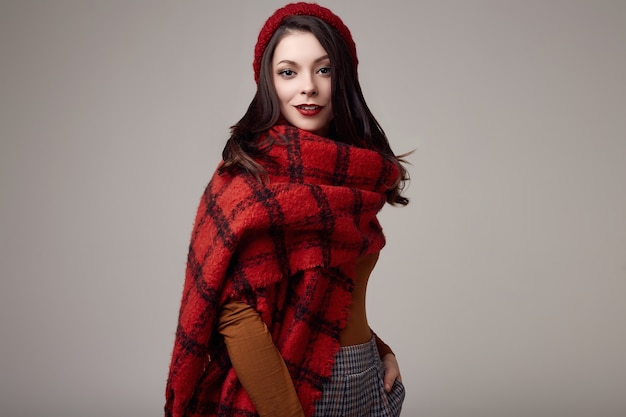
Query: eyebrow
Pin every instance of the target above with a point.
(290, 62)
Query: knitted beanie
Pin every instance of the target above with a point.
(302, 9)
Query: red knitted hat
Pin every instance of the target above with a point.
(302, 9)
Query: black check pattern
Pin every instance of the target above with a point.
(287, 248)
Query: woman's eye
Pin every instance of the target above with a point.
(324, 70)
(286, 73)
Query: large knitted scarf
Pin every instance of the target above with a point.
(287, 247)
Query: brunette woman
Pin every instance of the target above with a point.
(272, 319)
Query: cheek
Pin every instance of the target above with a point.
(282, 91)
(328, 88)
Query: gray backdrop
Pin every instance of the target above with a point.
(502, 285)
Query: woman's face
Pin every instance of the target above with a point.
(302, 78)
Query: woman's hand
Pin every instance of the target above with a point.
(392, 371)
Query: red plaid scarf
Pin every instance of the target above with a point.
(288, 248)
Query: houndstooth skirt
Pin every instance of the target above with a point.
(356, 386)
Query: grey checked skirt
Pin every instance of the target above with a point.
(356, 386)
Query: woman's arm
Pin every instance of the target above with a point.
(257, 362)
(383, 348)
(392, 369)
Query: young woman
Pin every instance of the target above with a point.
(272, 319)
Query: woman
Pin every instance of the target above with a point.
(272, 319)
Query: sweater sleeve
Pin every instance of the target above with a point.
(258, 363)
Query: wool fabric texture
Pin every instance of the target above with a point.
(302, 9)
(288, 248)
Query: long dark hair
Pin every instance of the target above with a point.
(353, 122)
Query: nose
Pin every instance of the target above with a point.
(309, 88)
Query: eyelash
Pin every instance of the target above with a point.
(327, 69)
(285, 71)
(323, 71)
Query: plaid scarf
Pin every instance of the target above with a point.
(288, 248)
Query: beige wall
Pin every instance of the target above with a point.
(502, 285)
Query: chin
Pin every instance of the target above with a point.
(315, 128)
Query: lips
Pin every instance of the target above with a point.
(309, 109)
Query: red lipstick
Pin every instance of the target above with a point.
(309, 109)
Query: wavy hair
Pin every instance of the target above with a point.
(353, 122)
